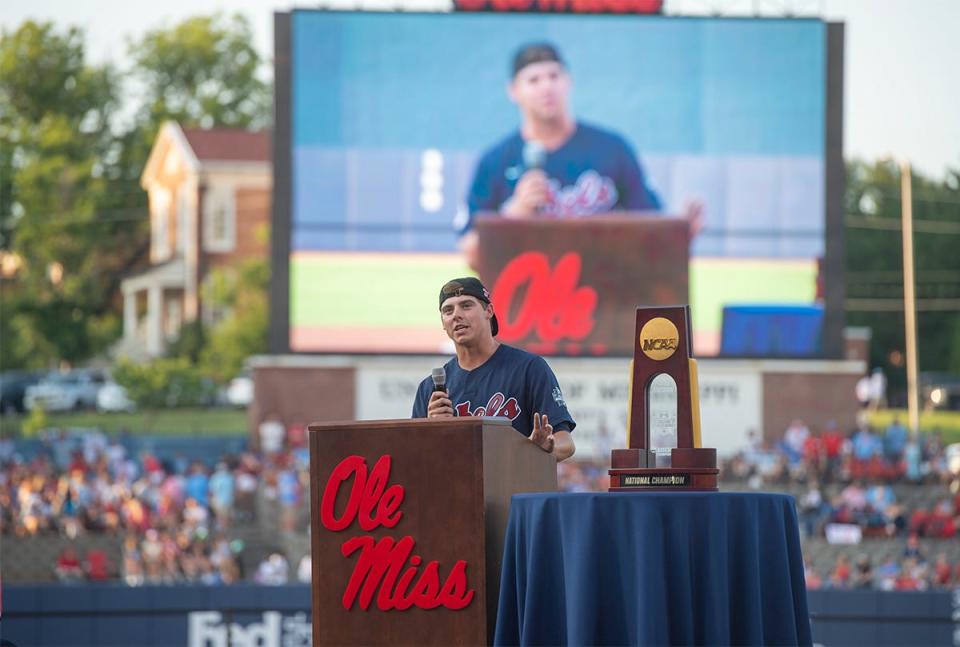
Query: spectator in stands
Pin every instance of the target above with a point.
(195, 517)
(752, 448)
(198, 484)
(98, 565)
(909, 579)
(866, 445)
(878, 389)
(840, 578)
(246, 484)
(810, 575)
(895, 440)
(288, 495)
(813, 460)
(297, 433)
(68, 567)
(942, 572)
(887, 573)
(913, 549)
(862, 391)
(934, 455)
(273, 570)
(151, 550)
(832, 442)
(881, 508)
(222, 494)
(851, 504)
(863, 572)
(794, 439)
(229, 571)
(940, 522)
(132, 563)
(811, 508)
(272, 434)
(305, 567)
(913, 457)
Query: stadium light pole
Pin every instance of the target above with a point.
(909, 297)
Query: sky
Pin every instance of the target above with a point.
(902, 83)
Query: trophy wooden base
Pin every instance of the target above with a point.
(691, 469)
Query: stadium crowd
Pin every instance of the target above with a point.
(176, 516)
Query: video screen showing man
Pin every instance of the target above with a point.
(514, 132)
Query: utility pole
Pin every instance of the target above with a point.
(909, 298)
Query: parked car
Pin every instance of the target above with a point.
(240, 391)
(113, 397)
(13, 388)
(65, 391)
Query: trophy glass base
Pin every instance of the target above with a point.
(691, 469)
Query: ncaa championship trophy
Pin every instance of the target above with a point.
(663, 423)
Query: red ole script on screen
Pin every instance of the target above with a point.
(386, 568)
(554, 305)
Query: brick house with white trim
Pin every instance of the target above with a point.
(209, 194)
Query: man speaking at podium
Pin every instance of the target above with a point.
(555, 166)
(488, 378)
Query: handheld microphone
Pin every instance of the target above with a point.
(534, 155)
(439, 379)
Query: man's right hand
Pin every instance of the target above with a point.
(529, 196)
(439, 405)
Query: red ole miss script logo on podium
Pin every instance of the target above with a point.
(387, 569)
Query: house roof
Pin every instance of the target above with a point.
(229, 144)
(199, 146)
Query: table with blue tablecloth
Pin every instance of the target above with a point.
(652, 568)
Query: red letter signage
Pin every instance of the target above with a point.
(386, 569)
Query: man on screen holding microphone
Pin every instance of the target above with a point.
(488, 378)
(555, 166)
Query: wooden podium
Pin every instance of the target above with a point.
(410, 514)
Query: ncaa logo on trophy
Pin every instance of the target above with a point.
(663, 428)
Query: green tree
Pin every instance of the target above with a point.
(203, 71)
(55, 115)
(241, 292)
(875, 266)
(70, 202)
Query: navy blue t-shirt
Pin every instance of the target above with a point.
(512, 384)
(595, 171)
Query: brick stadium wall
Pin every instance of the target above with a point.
(816, 398)
(302, 395)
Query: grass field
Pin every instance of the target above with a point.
(161, 421)
(370, 290)
(946, 422)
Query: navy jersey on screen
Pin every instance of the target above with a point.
(512, 384)
(595, 171)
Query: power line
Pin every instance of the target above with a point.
(893, 224)
(896, 305)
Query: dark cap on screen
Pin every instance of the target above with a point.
(535, 53)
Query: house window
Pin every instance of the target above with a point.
(160, 220)
(219, 219)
